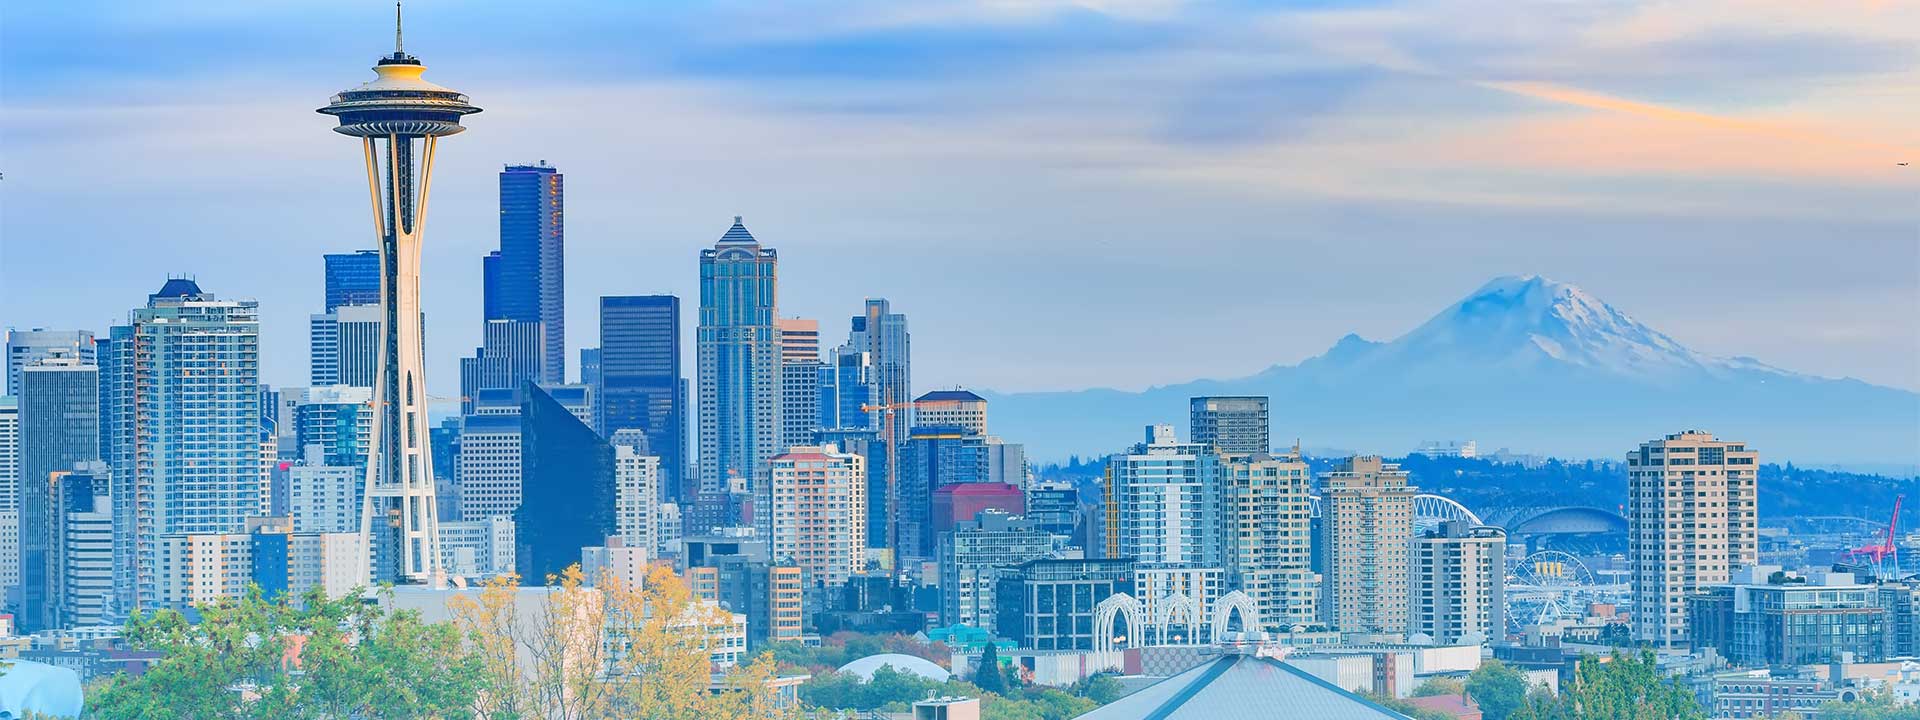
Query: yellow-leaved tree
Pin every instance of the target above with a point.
(609, 649)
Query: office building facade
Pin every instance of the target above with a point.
(1049, 604)
(352, 279)
(525, 280)
(799, 381)
(25, 347)
(1233, 425)
(1766, 617)
(971, 557)
(568, 473)
(59, 418)
(640, 384)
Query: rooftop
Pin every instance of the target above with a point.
(1238, 686)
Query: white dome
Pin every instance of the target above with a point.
(41, 688)
(864, 667)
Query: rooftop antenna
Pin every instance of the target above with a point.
(396, 29)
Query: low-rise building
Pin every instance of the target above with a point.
(1768, 617)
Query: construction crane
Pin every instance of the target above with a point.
(893, 473)
(1885, 557)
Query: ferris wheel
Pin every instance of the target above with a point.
(1550, 585)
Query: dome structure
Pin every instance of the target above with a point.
(39, 688)
(866, 666)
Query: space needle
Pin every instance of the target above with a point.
(399, 118)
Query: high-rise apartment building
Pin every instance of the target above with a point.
(344, 346)
(739, 364)
(352, 278)
(799, 381)
(59, 427)
(1233, 425)
(636, 479)
(738, 574)
(1270, 538)
(25, 347)
(818, 515)
(640, 385)
(953, 408)
(1166, 502)
(1459, 583)
(1366, 525)
(339, 420)
(1691, 521)
(197, 568)
(186, 445)
(525, 280)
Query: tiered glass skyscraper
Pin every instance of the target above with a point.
(739, 363)
(525, 279)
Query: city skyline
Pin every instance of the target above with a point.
(890, 93)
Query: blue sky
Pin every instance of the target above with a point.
(1059, 194)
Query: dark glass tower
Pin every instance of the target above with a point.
(352, 278)
(566, 491)
(525, 280)
(639, 380)
(59, 426)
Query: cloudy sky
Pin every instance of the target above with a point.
(1059, 194)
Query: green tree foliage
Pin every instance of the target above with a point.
(1440, 686)
(251, 657)
(1880, 705)
(1499, 690)
(1101, 688)
(1628, 687)
(1407, 708)
(989, 676)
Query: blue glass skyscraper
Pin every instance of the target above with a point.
(352, 278)
(525, 279)
(739, 350)
(639, 380)
(567, 492)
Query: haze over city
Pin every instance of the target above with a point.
(1027, 180)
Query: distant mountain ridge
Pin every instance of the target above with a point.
(1524, 362)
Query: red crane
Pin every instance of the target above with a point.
(1887, 549)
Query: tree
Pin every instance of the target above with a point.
(1406, 708)
(1101, 688)
(250, 657)
(1498, 689)
(989, 676)
(1628, 687)
(1440, 686)
(1874, 705)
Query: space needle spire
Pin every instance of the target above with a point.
(399, 119)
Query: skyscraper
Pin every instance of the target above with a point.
(819, 512)
(338, 419)
(930, 459)
(59, 426)
(1166, 498)
(640, 384)
(400, 108)
(1691, 520)
(1234, 425)
(739, 348)
(344, 346)
(1459, 575)
(186, 389)
(955, 408)
(799, 381)
(26, 346)
(511, 352)
(568, 470)
(352, 278)
(1367, 522)
(9, 455)
(525, 279)
(636, 475)
(80, 558)
(1270, 538)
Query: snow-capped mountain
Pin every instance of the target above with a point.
(1522, 362)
